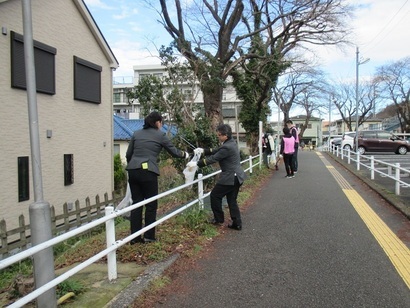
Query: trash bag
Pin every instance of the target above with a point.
(272, 160)
(189, 173)
(127, 201)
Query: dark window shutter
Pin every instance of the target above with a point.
(44, 61)
(87, 81)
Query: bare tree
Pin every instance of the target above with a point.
(303, 87)
(344, 99)
(394, 79)
(311, 100)
(213, 35)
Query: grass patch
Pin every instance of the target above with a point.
(70, 285)
(186, 234)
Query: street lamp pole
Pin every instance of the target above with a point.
(357, 94)
(39, 210)
(330, 121)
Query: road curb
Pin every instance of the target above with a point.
(127, 296)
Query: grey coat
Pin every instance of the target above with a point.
(145, 146)
(229, 160)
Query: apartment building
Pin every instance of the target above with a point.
(131, 109)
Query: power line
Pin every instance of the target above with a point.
(385, 27)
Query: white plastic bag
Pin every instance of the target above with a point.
(127, 201)
(272, 160)
(190, 172)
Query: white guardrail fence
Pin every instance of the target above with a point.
(388, 170)
(112, 243)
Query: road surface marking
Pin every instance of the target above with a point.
(395, 249)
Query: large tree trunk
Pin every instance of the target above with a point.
(213, 105)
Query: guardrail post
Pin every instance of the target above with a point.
(110, 237)
(389, 170)
(201, 190)
(348, 155)
(342, 152)
(372, 167)
(250, 163)
(357, 160)
(397, 178)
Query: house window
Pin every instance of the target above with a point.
(68, 169)
(44, 61)
(188, 95)
(87, 81)
(142, 76)
(373, 126)
(116, 149)
(23, 178)
(117, 97)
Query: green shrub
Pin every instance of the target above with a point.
(120, 175)
(194, 218)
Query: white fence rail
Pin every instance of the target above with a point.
(376, 166)
(112, 243)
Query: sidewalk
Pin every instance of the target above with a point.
(303, 245)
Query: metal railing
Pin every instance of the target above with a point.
(376, 166)
(112, 243)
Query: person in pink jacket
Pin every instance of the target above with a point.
(287, 149)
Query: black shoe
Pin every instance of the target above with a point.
(235, 227)
(216, 223)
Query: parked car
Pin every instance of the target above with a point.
(335, 142)
(347, 140)
(381, 141)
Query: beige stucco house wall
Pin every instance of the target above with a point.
(75, 127)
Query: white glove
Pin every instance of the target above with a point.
(186, 155)
(199, 151)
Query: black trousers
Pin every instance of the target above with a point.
(295, 158)
(231, 193)
(143, 185)
(289, 163)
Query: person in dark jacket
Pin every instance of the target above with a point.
(231, 178)
(143, 171)
(287, 149)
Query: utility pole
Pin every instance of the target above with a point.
(40, 213)
(357, 94)
(330, 121)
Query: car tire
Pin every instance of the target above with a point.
(362, 150)
(347, 147)
(402, 150)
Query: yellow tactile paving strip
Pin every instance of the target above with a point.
(395, 249)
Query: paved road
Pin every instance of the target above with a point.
(306, 243)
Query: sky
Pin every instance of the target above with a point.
(380, 29)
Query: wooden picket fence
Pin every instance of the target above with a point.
(18, 239)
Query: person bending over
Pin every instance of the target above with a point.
(231, 178)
